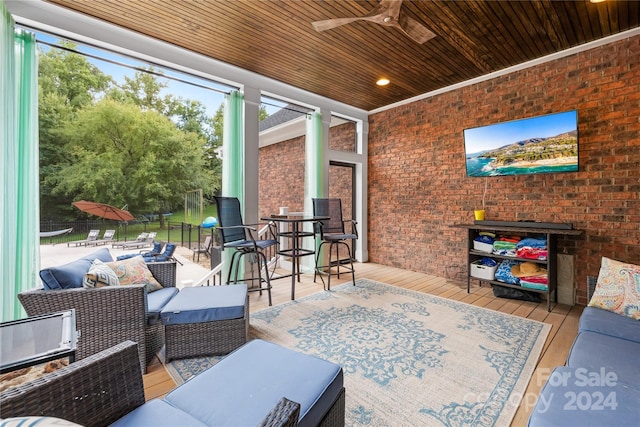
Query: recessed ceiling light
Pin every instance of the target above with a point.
(597, 1)
(382, 82)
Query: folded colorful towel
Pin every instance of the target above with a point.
(531, 253)
(501, 244)
(505, 252)
(503, 273)
(540, 280)
(532, 285)
(535, 282)
(533, 242)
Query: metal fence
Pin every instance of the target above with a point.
(187, 235)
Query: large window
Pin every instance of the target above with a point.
(113, 128)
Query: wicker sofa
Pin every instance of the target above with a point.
(106, 388)
(110, 315)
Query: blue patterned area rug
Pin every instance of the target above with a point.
(410, 359)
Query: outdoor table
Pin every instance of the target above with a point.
(39, 339)
(295, 234)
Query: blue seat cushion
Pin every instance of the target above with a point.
(70, 275)
(205, 304)
(157, 413)
(596, 351)
(156, 301)
(241, 389)
(606, 322)
(568, 398)
(125, 256)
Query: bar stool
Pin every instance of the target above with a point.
(332, 231)
(235, 235)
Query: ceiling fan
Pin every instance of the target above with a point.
(388, 13)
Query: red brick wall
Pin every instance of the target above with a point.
(281, 177)
(281, 173)
(418, 185)
(343, 137)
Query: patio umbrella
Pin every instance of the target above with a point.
(103, 210)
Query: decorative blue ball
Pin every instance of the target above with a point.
(209, 222)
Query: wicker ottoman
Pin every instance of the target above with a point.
(206, 321)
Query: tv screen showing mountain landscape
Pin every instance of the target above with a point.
(544, 144)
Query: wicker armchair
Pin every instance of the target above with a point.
(95, 391)
(100, 389)
(109, 315)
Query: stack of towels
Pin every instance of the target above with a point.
(531, 275)
(532, 248)
(505, 245)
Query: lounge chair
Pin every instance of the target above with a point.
(106, 238)
(153, 252)
(151, 238)
(203, 249)
(166, 255)
(140, 241)
(92, 236)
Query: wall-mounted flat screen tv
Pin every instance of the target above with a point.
(543, 144)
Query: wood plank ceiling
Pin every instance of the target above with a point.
(275, 38)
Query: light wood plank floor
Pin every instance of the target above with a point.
(563, 320)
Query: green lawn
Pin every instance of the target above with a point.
(175, 220)
(178, 216)
(133, 229)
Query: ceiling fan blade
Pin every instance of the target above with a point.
(388, 13)
(328, 24)
(414, 29)
(376, 15)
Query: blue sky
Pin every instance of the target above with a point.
(500, 134)
(211, 99)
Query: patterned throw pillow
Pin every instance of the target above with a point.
(618, 288)
(134, 271)
(37, 421)
(99, 275)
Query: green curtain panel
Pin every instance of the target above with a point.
(232, 157)
(313, 173)
(19, 251)
(232, 147)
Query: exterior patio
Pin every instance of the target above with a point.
(563, 318)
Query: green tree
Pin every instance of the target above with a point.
(70, 76)
(70, 87)
(67, 82)
(144, 90)
(214, 163)
(121, 155)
